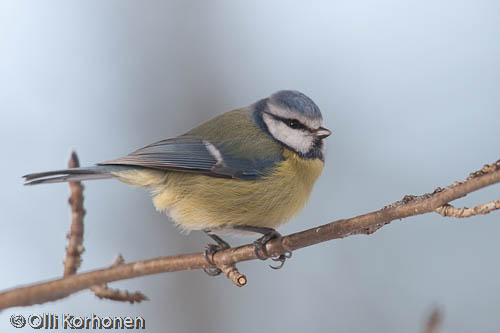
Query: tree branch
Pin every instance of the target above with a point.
(364, 224)
(103, 291)
(75, 248)
(449, 210)
(434, 322)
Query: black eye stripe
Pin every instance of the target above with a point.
(294, 123)
(291, 122)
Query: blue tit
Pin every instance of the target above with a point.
(247, 170)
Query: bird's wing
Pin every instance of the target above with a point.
(191, 154)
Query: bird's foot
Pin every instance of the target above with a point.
(260, 247)
(281, 258)
(209, 252)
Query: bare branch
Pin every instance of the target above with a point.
(363, 224)
(449, 210)
(434, 322)
(75, 235)
(103, 291)
(75, 244)
(234, 275)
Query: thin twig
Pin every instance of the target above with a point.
(234, 275)
(449, 210)
(367, 223)
(434, 322)
(75, 248)
(103, 291)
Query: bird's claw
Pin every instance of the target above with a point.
(260, 247)
(281, 258)
(210, 250)
(212, 271)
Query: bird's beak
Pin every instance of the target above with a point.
(322, 133)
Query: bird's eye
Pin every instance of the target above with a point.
(292, 123)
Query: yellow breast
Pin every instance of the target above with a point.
(196, 201)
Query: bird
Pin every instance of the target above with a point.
(249, 170)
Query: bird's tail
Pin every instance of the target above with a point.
(75, 174)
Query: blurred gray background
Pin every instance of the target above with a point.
(409, 88)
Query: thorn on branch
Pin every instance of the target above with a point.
(451, 211)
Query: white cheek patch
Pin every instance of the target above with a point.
(214, 152)
(297, 139)
(285, 113)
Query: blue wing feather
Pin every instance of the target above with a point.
(190, 154)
